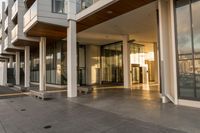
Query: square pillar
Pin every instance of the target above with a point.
(71, 50)
(42, 70)
(71, 60)
(5, 73)
(10, 64)
(126, 61)
(167, 51)
(17, 68)
(27, 66)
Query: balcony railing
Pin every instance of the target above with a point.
(6, 24)
(83, 4)
(14, 9)
(6, 43)
(30, 14)
(14, 32)
(6, 5)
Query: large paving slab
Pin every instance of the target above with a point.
(29, 115)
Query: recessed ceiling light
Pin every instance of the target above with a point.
(109, 12)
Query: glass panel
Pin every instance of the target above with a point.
(64, 63)
(186, 78)
(34, 57)
(58, 63)
(60, 6)
(81, 65)
(185, 52)
(112, 69)
(196, 34)
(183, 27)
(22, 68)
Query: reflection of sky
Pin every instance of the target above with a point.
(183, 28)
(196, 24)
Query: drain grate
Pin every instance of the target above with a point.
(47, 127)
(23, 110)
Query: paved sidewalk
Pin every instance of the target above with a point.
(113, 110)
(29, 115)
(7, 92)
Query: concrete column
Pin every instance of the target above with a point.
(126, 62)
(10, 64)
(71, 50)
(5, 72)
(71, 60)
(167, 51)
(27, 66)
(17, 68)
(42, 79)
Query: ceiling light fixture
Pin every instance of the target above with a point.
(109, 12)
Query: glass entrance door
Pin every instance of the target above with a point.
(81, 65)
(136, 74)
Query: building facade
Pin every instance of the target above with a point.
(71, 43)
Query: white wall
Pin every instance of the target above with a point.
(46, 15)
(92, 64)
(167, 50)
(1, 72)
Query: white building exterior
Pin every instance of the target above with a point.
(47, 33)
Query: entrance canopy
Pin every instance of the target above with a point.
(140, 24)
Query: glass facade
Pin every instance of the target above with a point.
(137, 60)
(34, 70)
(188, 48)
(22, 67)
(81, 65)
(59, 6)
(112, 63)
(56, 63)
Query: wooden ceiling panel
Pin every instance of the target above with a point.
(21, 42)
(47, 30)
(59, 32)
(117, 9)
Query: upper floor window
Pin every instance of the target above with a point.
(59, 6)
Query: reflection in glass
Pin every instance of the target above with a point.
(183, 27)
(196, 37)
(59, 6)
(185, 51)
(54, 63)
(112, 68)
(22, 68)
(81, 65)
(34, 57)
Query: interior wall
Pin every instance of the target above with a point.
(92, 64)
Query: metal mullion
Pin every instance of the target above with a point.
(193, 57)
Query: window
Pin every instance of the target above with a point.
(112, 63)
(59, 6)
(188, 47)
